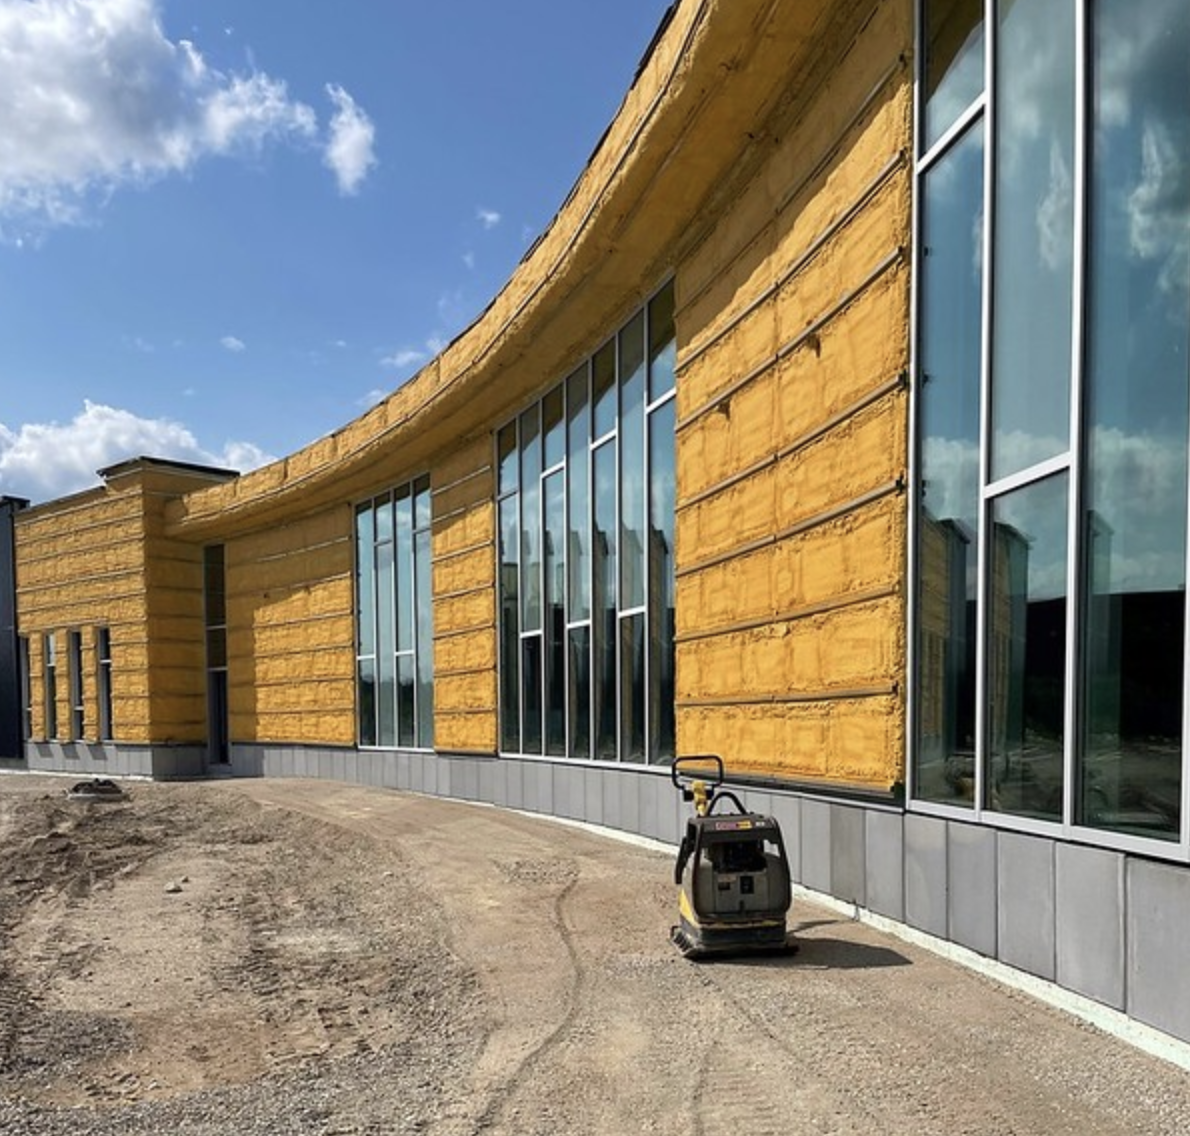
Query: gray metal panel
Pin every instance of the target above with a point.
(669, 817)
(440, 776)
(487, 780)
(1089, 917)
(1158, 929)
(568, 791)
(815, 843)
(651, 805)
(592, 795)
(500, 767)
(1025, 888)
(611, 798)
(338, 765)
(514, 772)
(628, 784)
(884, 863)
(787, 812)
(849, 876)
(418, 776)
(925, 874)
(404, 770)
(971, 886)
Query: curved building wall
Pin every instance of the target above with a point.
(762, 163)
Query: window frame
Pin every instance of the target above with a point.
(1070, 464)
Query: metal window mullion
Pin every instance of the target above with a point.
(1074, 501)
(982, 586)
(956, 130)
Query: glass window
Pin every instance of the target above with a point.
(1033, 234)
(632, 687)
(506, 456)
(555, 614)
(587, 665)
(603, 388)
(948, 421)
(531, 693)
(74, 643)
(1027, 650)
(103, 681)
(1077, 594)
(661, 584)
(953, 46)
(1134, 524)
(632, 464)
(662, 346)
(50, 665)
(578, 496)
(394, 618)
(510, 627)
(530, 521)
(604, 600)
(553, 427)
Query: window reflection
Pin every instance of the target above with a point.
(1137, 377)
(953, 31)
(1034, 234)
(587, 663)
(952, 234)
(1026, 683)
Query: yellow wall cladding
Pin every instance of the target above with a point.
(291, 660)
(792, 438)
(465, 685)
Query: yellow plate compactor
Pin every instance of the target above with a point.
(731, 868)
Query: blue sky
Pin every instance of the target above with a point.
(227, 228)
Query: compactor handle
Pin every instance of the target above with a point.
(682, 779)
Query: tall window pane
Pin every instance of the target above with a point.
(1134, 526)
(579, 691)
(1033, 234)
(530, 521)
(578, 435)
(74, 642)
(394, 618)
(632, 463)
(604, 600)
(103, 680)
(953, 44)
(510, 627)
(661, 583)
(531, 700)
(386, 660)
(603, 389)
(555, 614)
(50, 685)
(632, 688)
(662, 347)
(948, 520)
(1026, 680)
(553, 427)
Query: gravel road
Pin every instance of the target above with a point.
(281, 958)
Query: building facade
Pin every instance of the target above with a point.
(837, 425)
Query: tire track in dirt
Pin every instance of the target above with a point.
(501, 1095)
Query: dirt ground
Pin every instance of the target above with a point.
(300, 957)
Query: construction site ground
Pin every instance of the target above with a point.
(292, 957)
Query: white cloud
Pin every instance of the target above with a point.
(232, 343)
(488, 218)
(95, 97)
(403, 358)
(350, 149)
(469, 259)
(46, 460)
